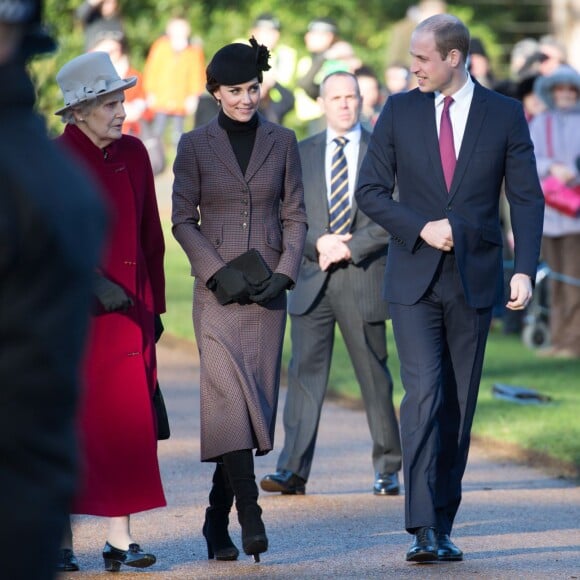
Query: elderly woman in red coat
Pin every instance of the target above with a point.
(118, 441)
(238, 187)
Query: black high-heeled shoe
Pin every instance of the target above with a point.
(134, 557)
(240, 469)
(215, 532)
(254, 539)
(67, 561)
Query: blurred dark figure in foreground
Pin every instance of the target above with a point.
(51, 226)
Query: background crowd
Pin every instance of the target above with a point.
(165, 100)
(170, 98)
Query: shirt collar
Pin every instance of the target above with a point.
(463, 94)
(353, 136)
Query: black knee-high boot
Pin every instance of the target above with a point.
(240, 469)
(215, 527)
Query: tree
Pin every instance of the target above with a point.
(365, 24)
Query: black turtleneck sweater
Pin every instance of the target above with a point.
(241, 136)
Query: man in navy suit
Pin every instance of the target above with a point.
(339, 282)
(444, 268)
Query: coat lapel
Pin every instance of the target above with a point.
(362, 151)
(427, 121)
(314, 177)
(477, 112)
(220, 144)
(262, 147)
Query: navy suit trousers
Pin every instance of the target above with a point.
(441, 343)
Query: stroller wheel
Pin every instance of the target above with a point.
(536, 335)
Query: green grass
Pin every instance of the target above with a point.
(179, 289)
(547, 433)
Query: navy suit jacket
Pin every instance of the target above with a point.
(496, 147)
(368, 246)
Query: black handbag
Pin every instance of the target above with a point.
(254, 268)
(163, 430)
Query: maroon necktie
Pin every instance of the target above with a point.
(446, 146)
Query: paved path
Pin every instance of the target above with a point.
(514, 522)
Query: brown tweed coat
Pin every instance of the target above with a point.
(219, 213)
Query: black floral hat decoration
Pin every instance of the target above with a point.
(238, 63)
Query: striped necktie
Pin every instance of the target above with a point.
(339, 204)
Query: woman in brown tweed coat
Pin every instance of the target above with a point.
(238, 186)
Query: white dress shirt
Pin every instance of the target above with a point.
(458, 111)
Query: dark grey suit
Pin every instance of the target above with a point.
(350, 296)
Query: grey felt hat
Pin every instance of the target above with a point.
(87, 77)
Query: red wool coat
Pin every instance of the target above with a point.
(118, 443)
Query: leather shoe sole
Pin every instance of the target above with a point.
(422, 557)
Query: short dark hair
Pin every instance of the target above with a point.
(211, 84)
(449, 32)
(365, 71)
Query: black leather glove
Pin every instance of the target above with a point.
(159, 328)
(277, 283)
(111, 295)
(229, 285)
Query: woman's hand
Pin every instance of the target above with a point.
(275, 285)
(112, 297)
(229, 285)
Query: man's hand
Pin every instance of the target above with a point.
(332, 249)
(520, 292)
(438, 235)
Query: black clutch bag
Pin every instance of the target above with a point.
(163, 430)
(252, 265)
(254, 268)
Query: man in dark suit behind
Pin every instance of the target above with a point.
(444, 268)
(51, 227)
(339, 282)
